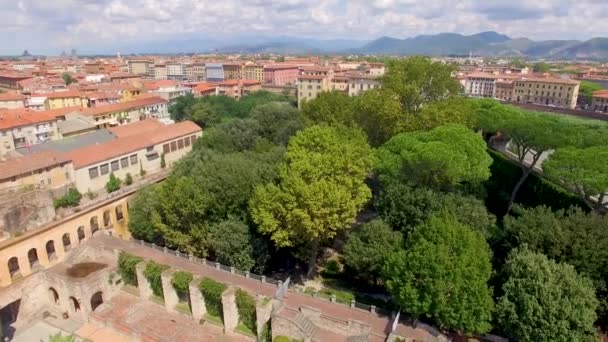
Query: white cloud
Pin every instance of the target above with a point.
(50, 26)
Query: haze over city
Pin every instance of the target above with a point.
(108, 26)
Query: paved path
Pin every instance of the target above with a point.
(380, 324)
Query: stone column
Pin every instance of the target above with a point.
(5, 276)
(231, 313)
(169, 292)
(197, 302)
(145, 291)
(263, 310)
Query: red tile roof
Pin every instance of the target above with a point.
(131, 143)
(26, 164)
(13, 118)
(121, 106)
(310, 77)
(136, 128)
(63, 94)
(12, 97)
(601, 93)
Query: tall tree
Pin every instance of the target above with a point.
(441, 158)
(321, 189)
(541, 67)
(583, 171)
(455, 110)
(545, 301)
(330, 108)
(380, 115)
(68, 79)
(243, 249)
(277, 121)
(442, 274)
(203, 114)
(368, 246)
(530, 136)
(586, 90)
(179, 108)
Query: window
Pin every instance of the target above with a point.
(104, 169)
(187, 141)
(133, 159)
(180, 144)
(93, 172)
(124, 162)
(173, 146)
(115, 165)
(149, 148)
(166, 148)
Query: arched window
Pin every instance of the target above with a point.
(50, 249)
(13, 266)
(67, 243)
(80, 233)
(94, 224)
(96, 300)
(32, 257)
(119, 214)
(106, 218)
(53, 295)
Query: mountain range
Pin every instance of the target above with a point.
(491, 44)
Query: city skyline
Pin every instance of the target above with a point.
(95, 26)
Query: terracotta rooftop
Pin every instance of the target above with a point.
(115, 148)
(26, 164)
(11, 97)
(136, 128)
(121, 106)
(63, 94)
(310, 77)
(13, 118)
(601, 93)
(549, 80)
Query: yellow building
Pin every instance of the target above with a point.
(254, 72)
(233, 71)
(546, 91)
(130, 94)
(47, 168)
(64, 99)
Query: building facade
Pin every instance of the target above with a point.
(599, 103)
(280, 75)
(25, 127)
(546, 91)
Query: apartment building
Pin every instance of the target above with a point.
(175, 71)
(126, 112)
(215, 72)
(11, 79)
(280, 75)
(548, 91)
(255, 72)
(141, 67)
(12, 100)
(47, 168)
(310, 86)
(480, 84)
(199, 71)
(339, 83)
(160, 72)
(24, 128)
(360, 83)
(503, 90)
(238, 88)
(171, 93)
(599, 102)
(64, 99)
(233, 71)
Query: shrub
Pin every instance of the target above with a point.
(212, 292)
(113, 183)
(142, 172)
(152, 273)
(180, 282)
(281, 338)
(246, 307)
(126, 267)
(91, 195)
(128, 179)
(71, 199)
(332, 268)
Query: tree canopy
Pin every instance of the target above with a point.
(442, 274)
(320, 190)
(586, 90)
(441, 158)
(330, 108)
(545, 301)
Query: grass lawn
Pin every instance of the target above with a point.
(213, 320)
(242, 328)
(158, 300)
(183, 307)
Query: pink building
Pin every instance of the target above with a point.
(280, 75)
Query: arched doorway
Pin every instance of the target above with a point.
(119, 214)
(50, 250)
(74, 304)
(67, 242)
(53, 295)
(13, 267)
(32, 257)
(106, 219)
(80, 234)
(94, 224)
(96, 300)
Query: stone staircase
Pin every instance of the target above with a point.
(359, 338)
(306, 325)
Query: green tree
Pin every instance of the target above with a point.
(68, 79)
(243, 249)
(276, 121)
(128, 179)
(530, 135)
(203, 114)
(583, 171)
(247, 103)
(180, 106)
(380, 115)
(441, 158)
(330, 108)
(518, 63)
(442, 274)
(541, 67)
(144, 203)
(454, 110)
(321, 189)
(586, 90)
(368, 246)
(113, 183)
(545, 301)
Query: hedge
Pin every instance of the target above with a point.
(71, 199)
(536, 190)
(181, 281)
(152, 273)
(126, 267)
(246, 306)
(212, 292)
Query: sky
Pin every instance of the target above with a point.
(93, 26)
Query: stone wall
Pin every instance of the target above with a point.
(23, 211)
(285, 326)
(231, 313)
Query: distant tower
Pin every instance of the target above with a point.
(470, 57)
(118, 55)
(73, 53)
